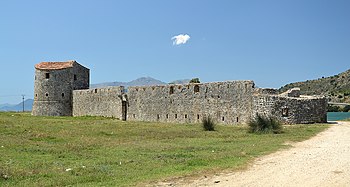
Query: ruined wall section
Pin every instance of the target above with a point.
(225, 102)
(105, 102)
(291, 110)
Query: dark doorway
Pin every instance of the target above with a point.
(124, 110)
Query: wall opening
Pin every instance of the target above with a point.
(36, 95)
(196, 88)
(167, 116)
(223, 118)
(47, 94)
(171, 91)
(175, 116)
(47, 75)
(75, 77)
(124, 110)
(134, 115)
(197, 116)
(62, 94)
(185, 116)
(237, 119)
(158, 116)
(95, 90)
(285, 112)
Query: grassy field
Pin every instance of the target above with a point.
(95, 151)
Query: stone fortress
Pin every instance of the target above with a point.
(62, 89)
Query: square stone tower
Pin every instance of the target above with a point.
(54, 84)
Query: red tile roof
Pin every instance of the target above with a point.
(54, 65)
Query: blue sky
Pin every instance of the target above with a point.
(273, 42)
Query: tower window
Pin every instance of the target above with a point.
(47, 75)
(167, 116)
(47, 94)
(75, 77)
(171, 91)
(95, 90)
(185, 116)
(196, 88)
(62, 94)
(197, 116)
(175, 116)
(223, 118)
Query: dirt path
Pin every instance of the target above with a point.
(323, 160)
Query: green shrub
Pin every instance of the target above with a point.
(208, 124)
(333, 108)
(346, 108)
(261, 124)
(195, 80)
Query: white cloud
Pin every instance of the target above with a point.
(180, 39)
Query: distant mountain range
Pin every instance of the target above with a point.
(28, 104)
(143, 81)
(336, 88)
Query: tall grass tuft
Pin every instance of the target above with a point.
(261, 124)
(208, 124)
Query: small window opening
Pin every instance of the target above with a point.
(36, 95)
(144, 89)
(47, 94)
(95, 90)
(218, 96)
(171, 91)
(167, 116)
(175, 116)
(185, 116)
(134, 116)
(284, 112)
(197, 116)
(196, 88)
(223, 118)
(158, 116)
(237, 119)
(153, 88)
(47, 75)
(62, 94)
(137, 89)
(75, 77)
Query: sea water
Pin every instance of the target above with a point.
(335, 116)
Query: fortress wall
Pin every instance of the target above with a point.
(105, 102)
(225, 102)
(292, 110)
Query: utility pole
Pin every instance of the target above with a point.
(23, 101)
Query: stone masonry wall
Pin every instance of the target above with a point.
(105, 102)
(291, 110)
(53, 89)
(225, 102)
(52, 96)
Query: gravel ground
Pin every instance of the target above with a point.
(323, 160)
